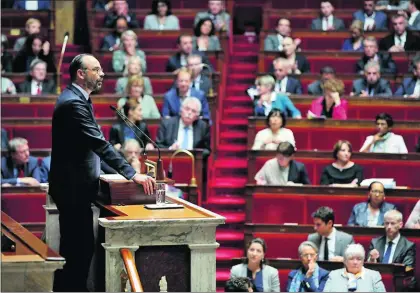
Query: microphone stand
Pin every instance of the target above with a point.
(60, 62)
(193, 180)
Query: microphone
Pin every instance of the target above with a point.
(60, 62)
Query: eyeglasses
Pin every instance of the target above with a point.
(307, 255)
(97, 70)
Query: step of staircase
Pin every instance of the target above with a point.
(238, 112)
(228, 183)
(228, 235)
(228, 253)
(231, 163)
(225, 200)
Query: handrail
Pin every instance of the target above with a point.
(130, 266)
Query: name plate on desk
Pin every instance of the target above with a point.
(163, 206)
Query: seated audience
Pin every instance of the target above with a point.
(131, 151)
(384, 141)
(317, 87)
(401, 39)
(120, 8)
(239, 284)
(19, 168)
(414, 10)
(371, 85)
(309, 277)
(32, 4)
(32, 26)
(298, 63)
(372, 20)
(7, 85)
(204, 38)
(413, 221)
(185, 131)
(268, 99)
(370, 48)
(217, 14)
(4, 140)
(410, 87)
(393, 247)
(327, 21)
(200, 81)
(37, 83)
(133, 68)
(343, 172)
(330, 105)
(161, 17)
(284, 83)
(275, 133)
(6, 57)
(135, 92)
(371, 213)
(354, 276)
(326, 233)
(103, 5)
(35, 48)
(283, 170)
(275, 42)
(128, 48)
(185, 48)
(390, 5)
(264, 278)
(112, 41)
(355, 42)
(120, 132)
(174, 97)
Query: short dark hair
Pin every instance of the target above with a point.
(238, 284)
(276, 113)
(374, 182)
(416, 3)
(286, 149)
(27, 47)
(76, 64)
(117, 19)
(325, 214)
(261, 242)
(338, 145)
(327, 69)
(178, 40)
(386, 117)
(197, 28)
(155, 6)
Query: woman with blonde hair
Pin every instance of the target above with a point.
(134, 68)
(355, 42)
(128, 48)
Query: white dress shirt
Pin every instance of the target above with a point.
(34, 87)
(31, 5)
(281, 86)
(400, 40)
(416, 91)
(413, 17)
(327, 22)
(369, 22)
(183, 60)
(280, 38)
(394, 144)
(181, 131)
(394, 246)
(331, 245)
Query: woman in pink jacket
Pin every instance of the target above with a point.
(331, 105)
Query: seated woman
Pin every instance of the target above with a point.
(268, 99)
(120, 132)
(354, 277)
(161, 17)
(298, 62)
(371, 213)
(263, 277)
(134, 89)
(355, 42)
(330, 105)
(275, 133)
(204, 38)
(413, 221)
(128, 49)
(309, 277)
(343, 172)
(134, 66)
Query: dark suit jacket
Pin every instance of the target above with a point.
(407, 87)
(116, 134)
(109, 41)
(298, 173)
(308, 284)
(174, 62)
(21, 62)
(337, 22)
(293, 86)
(315, 88)
(168, 134)
(385, 61)
(205, 84)
(405, 252)
(412, 42)
(111, 17)
(45, 168)
(42, 4)
(78, 146)
(382, 88)
(7, 62)
(48, 87)
(4, 140)
(31, 169)
(302, 62)
(381, 20)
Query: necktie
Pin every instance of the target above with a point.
(21, 171)
(38, 90)
(399, 40)
(90, 104)
(326, 249)
(186, 138)
(387, 253)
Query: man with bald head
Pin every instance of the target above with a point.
(78, 146)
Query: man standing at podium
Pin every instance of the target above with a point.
(78, 146)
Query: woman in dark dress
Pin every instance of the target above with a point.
(343, 172)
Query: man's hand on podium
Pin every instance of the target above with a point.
(149, 183)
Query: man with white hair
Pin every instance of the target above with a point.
(217, 14)
(187, 131)
(37, 82)
(401, 39)
(372, 84)
(200, 81)
(285, 83)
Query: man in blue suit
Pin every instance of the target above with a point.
(32, 4)
(285, 83)
(19, 168)
(411, 85)
(372, 20)
(173, 98)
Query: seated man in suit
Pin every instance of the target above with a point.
(173, 98)
(372, 84)
(370, 48)
(19, 168)
(185, 131)
(185, 48)
(327, 21)
(285, 83)
(275, 42)
(316, 88)
(283, 170)
(401, 39)
(200, 81)
(217, 14)
(414, 20)
(4, 140)
(410, 88)
(37, 84)
(112, 41)
(393, 247)
(331, 243)
(120, 8)
(372, 20)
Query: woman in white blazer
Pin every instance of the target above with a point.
(263, 277)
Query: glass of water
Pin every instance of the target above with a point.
(160, 194)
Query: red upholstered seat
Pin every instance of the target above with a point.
(24, 207)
